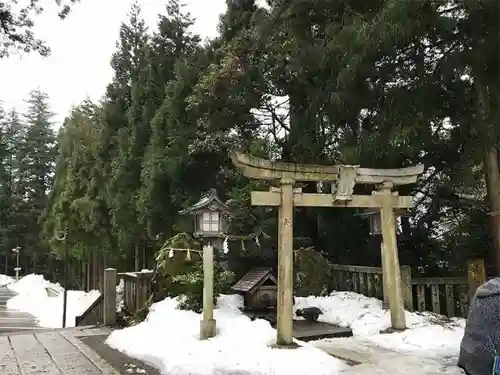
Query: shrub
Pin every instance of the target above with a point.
(191, 285)
(183, 278)
(313, 273)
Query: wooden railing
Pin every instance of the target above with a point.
(94, 315)
(137, 288)
(359, 279)
(448, 296)
(443, 295)
(103, 310)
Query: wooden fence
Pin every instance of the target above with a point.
(448, 296)
(137, 287)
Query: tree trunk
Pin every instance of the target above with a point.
(87, 275)
(486, 122)
(95, 272)
(492, 174)
(136, 259)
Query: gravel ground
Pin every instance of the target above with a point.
(122, 363)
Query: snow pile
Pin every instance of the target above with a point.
(365, 316)
(4, 280)
(34, 284)
(169, 340)
(430, 345)
(44, 300)
(120, 289)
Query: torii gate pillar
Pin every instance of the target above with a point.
(285, 265)
(391, 274)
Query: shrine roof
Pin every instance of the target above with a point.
(210, 198)
(254, 277)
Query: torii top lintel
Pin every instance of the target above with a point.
(263, 169)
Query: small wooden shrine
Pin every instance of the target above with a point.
(259, 289)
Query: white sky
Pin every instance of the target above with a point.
(81, 45)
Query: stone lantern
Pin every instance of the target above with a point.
(210, 223)
(210, 218)
(375, 220)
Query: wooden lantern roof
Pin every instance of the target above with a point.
(209, 201)
(253, 279)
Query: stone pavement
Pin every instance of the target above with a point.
(50, 353)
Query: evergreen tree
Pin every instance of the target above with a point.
(36, 161)
(153, 70)
(14, 208)
(123, 178)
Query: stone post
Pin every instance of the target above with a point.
(109, 297)
(208, 325)
(476, 275)
(285, 266)
(406, 287)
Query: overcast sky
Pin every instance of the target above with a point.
(81, 45)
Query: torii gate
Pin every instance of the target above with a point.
(343, 178)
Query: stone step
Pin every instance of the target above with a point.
(12, 320)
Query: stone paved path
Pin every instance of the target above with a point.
(50, 353)
(11, 321)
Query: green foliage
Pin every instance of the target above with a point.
(166, 265)
(28, 151)
(140, 315)
(313, 273)
(383, 84)
(189, 286)
(176, 276)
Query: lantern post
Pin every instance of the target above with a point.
(61, 236)
(16, 250)
(210, 223)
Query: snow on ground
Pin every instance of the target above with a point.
(366, 318)
(120, 290)
(44, 300)
(4, 280)
(430, 345)
(169, 340)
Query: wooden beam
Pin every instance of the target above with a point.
(273, 198)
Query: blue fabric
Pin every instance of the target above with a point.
(481, 341)
(496, 366)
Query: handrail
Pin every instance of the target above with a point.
(95, 304)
